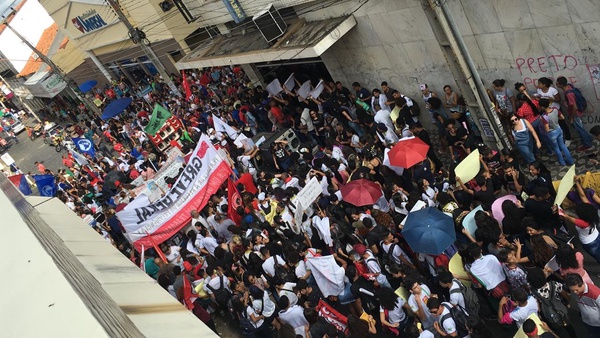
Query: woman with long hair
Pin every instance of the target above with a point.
(550, 116)
(524, 134)
(511, 223)
(391, 312)
(542, 252)
(541, 177)
(571, 261)
(428, 193)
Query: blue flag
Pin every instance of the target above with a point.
(21, 182)
(85, 146)
(46, 185)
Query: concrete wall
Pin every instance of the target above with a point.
(518, 40)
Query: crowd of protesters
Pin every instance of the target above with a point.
(254, 270)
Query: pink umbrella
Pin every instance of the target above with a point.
(497, 207)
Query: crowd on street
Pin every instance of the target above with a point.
(506, 251)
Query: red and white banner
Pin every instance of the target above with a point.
(332, 316)
(147, 223)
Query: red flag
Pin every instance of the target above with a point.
(156, 248)
(235, 200)
(187, 293)
(186, 86)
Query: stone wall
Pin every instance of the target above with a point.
(518, 40)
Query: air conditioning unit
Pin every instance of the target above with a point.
(270, 23)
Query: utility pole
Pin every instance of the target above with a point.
(70, 82)
(138, 37)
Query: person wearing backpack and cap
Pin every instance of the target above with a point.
(525, 306)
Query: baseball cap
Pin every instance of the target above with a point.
(359, 249)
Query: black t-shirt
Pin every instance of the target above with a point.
(510, 182)
(363, 94)
(541, 211)
(368, 303)
(486, 197)
(343, 94)
(375, 235)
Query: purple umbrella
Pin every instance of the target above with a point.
(497, 207)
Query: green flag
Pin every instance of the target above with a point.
(159, 116)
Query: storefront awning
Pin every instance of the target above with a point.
(45, 84)
(306, 40)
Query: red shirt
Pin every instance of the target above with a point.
(67, 162)
(525, 112)
(174, 143)
(41, 168)
(118, 147)
(278, 114)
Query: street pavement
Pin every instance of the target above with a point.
(27, 152)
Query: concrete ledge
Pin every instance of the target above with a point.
(70, 282)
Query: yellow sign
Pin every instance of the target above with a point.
(458, 270)
(538, 322)
(565, 186)
(468, 168)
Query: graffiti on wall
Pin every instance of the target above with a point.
(534, 67)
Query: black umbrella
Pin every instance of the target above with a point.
(112, 178)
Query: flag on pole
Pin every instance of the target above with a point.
(332, 316)
(186, 86)
(85, 146)
(187, 293)
(21, 183)
(234, 201)
(143, 259)
(157, 249)
(46, 185)
(223, 127)
(159, 117)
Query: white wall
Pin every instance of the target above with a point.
(518, 40)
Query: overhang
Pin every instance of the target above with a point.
(303, 40)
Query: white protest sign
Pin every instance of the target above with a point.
(303, 91)
(318, 90)
(418, 206)
(309, 193)
(290, 83)
(274, 87)
(8, 160)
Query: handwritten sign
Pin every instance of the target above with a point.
(309, 193)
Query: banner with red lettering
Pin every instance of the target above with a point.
(150, 223)
(332, 316)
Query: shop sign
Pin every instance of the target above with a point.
(235, 9)
(88, 21)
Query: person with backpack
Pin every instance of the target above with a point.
(460, 295)
(392, 253)
(449, 320)
(392, 311)
(552, 297)
(522, 307)
(218, 288)
(576, 104)
(372, 264)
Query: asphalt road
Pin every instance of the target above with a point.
(27, 152)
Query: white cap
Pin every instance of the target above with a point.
(210, 130)
(261, 196)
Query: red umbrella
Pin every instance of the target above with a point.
(361, 192)
(407, 153)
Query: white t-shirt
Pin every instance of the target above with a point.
(585, 237)
(550, 94)
(397, 253)
(288, 291)
(374, 267)
(301, 269)
(488, 270)
(269, 265)
(383, 116)
(457, 298)
(174, 255)
(266, 304)
(520, 314)
(448, 325)
(396, 315)
(249, 313)
(294, 316)
(412, 302)
(246, 162)
(210, 244)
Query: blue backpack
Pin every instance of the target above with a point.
(579, 99)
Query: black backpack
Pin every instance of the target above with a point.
(415, 110)
(222, 295)
(246, 325)
(387, 258)
(285, 274)
(459, 317)
(553, 311)
(470, 297)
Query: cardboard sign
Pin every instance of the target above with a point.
(309, 193)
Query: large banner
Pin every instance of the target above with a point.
(173, 163)
(203, 176)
